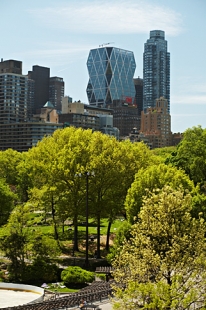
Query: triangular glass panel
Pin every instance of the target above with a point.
(123, 56)
(101, 81)
(104, 66)
(109, 69)
(96, 92)
(120, 59)
(93, 53)
(97, 64)
(100, 70)
(97, 57)
(104, 91)
(89, 85)
(93, 79)
(112, 56)
(112, 84)
(123, 73)
(90, 58)
(108, 97)
(93, 98)
(114, 94)
(112, 64)
(100, 98)
(93, 71)
(109, 51)
(108, 78)
(102, 54)
(96, 83)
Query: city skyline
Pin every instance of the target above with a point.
(60, 34)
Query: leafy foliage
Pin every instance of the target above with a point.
(7, 199)
(163, 265)
(191, 154)
(122, 235)
(75, 274)
(40, 271)
(157, 176)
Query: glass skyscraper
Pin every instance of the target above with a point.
(156, 70)
(111, 72)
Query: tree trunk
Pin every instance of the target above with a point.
(56, 236)
(108, 235)
(75, 244)
(98, 237)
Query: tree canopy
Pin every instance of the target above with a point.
(191, 154)
(163, 265)
(7, 198)
(153, 177)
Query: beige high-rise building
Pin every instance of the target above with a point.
(156, 124)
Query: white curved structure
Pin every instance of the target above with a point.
(12, 294)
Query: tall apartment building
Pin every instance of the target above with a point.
(111, 72)
(156, 70)
(56, 91)
(11, 66)
(138, 84)
(40, 76)
(19, 129)
(14, 93)
(156, 124)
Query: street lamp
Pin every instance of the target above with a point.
(87, 174)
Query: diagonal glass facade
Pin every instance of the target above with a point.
(111, 72)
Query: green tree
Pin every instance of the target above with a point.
(164, 152)
(123, 234)
(157, 176)
(9, 160)
(55, 163)
(163, 265)
(191, 154)
(15, 242)
(114, 163)
(7, 199)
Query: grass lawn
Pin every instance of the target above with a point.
(60, 289)
(67, 236)
(48, 229)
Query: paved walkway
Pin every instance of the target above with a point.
(105, 306)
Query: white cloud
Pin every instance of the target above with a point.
(54, 54)
(194, 99)
(119, 17)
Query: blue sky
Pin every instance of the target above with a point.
(59, 34)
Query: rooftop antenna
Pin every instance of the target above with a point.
(106, 44)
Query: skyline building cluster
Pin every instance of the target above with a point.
(34, 105)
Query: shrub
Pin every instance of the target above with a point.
(101, 276)
(40, 271)
(77, 275)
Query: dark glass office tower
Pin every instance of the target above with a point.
(111, 72)
(56, 91)
(156, 70)
(41, 76)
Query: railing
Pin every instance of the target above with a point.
(95, 292)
